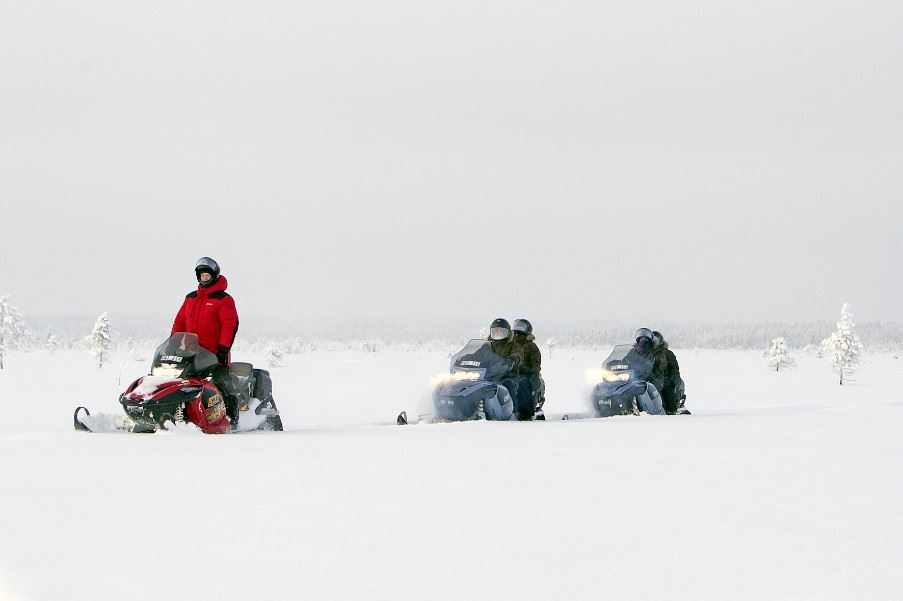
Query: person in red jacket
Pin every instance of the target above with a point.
(210, 313)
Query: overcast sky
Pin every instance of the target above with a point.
(636, 160)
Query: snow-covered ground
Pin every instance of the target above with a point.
(780, 486)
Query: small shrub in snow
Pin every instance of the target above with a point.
(777, 355)
(843, 346)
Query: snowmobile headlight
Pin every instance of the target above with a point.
(169, 370)
(465, 375)
(613, 376)
(455, 376)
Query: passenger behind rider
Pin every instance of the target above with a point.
(531, 397)
(501, 341)
(672, 390)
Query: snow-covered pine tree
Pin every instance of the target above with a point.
(843, 346)
(274, 356)
(777, 355)
(12, 328)
(101, 339)
(52, 343)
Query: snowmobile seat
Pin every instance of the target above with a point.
(242, 370)
(262, 385)
(241, 373)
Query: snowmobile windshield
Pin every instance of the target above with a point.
(624, 359)
(477, 356)
(183, 350)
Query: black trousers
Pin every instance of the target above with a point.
(669, 397)
(524, 407)
(510, 383)
(227, 384)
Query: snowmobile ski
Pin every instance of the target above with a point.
(84, 421)
(79, 426)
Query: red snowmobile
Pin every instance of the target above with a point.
(179, 390)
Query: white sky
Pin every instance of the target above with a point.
(618, 160)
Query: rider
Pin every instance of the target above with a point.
(672, 391)
(531, 381)
(501, 341)
(651, 401)
(210, 313)
(644, 347)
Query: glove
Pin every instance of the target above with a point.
(222, 354)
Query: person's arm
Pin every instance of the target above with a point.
(659, 371)
(178, 324)
(534, 360)
(228, 319)
(517, 354)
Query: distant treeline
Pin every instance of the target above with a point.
(876, 336)
(141, 332)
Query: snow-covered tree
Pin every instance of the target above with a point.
(274, 356)
(52, 343)
(101, 339)
(550, 344)
(843, 346)
(777, 355)
(12, 328)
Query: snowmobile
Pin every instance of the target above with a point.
(624, 388)
(473, 388)
(178, 390)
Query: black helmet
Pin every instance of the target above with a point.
(643, 333)
(206, 265)
(657, 338)
(499, 329)
(522, 325)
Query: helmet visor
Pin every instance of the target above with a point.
(499, 333)
(206, 263)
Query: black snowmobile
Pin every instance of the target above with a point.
(473, 389)
(625, 388)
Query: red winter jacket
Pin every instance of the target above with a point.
(210, 313)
